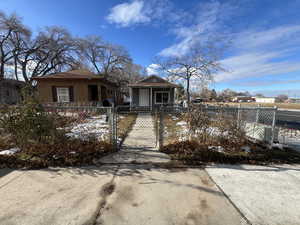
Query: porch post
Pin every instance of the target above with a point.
(151, 98)
(130, 96)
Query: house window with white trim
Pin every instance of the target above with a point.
(161, 97)
(63, 94)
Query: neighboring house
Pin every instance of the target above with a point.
(265, 99)
(10, 91)
(152, 91)
(80, 86)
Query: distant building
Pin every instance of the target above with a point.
(265, 99)
(243, 99)
(293, 100)
(10, 91)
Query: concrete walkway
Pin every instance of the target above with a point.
(113, 195)
(140, 144)
(266, 195)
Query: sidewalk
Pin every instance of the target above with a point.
(139, 146)
(113, 195)
(266, 195)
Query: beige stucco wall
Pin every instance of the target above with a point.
(80, 89)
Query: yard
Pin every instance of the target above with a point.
(197, 138)
(32, 137)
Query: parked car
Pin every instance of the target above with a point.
(197, 101)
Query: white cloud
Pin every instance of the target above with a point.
(126, 14)
(152, 69)
(255, 65)
(141, 12)
(262, 53)
(208, 19)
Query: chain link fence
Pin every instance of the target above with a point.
(257, 123)
(90, 121)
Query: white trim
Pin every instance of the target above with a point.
(151, 101)
(130, 96)
(63, 94)
(168, 92)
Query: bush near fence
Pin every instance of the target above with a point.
(221, 134)
(34, 130)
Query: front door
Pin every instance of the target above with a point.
(144, 97)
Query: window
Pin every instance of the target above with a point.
(161, 97)
(63, 94)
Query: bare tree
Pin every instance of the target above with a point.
(103, 57)
(51, 51)
(197, 66)
(282, 98)
(90, 52)
(11, 31)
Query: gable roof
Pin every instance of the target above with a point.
(80, 74)
(153, 81)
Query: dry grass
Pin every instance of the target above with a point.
(220, 139)
(173, 131)
(125, 124)
(193, 153)
(67, 152)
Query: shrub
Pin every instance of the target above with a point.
(28, 122)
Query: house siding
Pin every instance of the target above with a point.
(80, 90)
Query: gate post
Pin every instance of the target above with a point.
(161, 130)
(273, 125)
(112, 125)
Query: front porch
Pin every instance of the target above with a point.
(152, 97)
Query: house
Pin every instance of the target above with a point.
(80, 86)
(265, 99)
(10, 91)
(151, 92)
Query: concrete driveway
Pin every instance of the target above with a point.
(126, 194)
(266, 195)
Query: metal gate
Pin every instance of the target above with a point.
(135, 127)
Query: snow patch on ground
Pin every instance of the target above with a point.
(95, 126)
(10, 151)
(181, 123)
(216, 148)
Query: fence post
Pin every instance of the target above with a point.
(161, 130)
(257, 114)
(273, 125)
(239, 115)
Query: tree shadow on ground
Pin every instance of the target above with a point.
(143, 174)
(4, 172)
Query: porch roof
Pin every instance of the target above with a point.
(156, 85)
(154, 81)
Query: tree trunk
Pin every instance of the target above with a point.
(188, 91)
(2, 70)
(16, 67)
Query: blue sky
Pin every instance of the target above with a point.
(264, 54)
